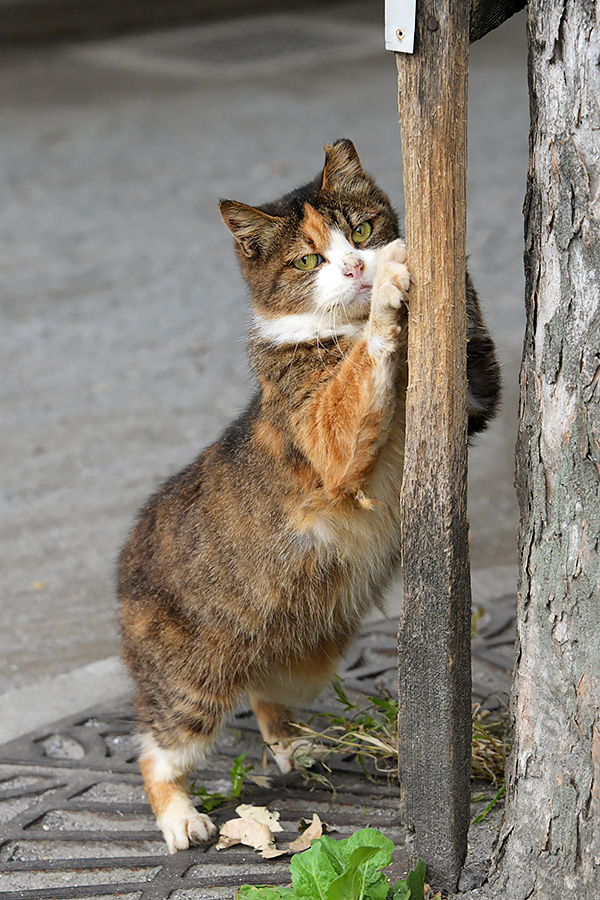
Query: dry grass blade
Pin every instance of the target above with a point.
(367, 729)
(490, 745)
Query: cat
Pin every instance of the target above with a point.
(249, 571)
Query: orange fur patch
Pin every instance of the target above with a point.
(160, 793)
(269, 437)
(138, 625)
(315, 227)
(322, 660)
(275, 722)
(340, 433)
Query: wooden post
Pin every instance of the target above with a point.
(434, 634)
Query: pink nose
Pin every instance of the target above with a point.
(353, 267)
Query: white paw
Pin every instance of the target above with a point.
(392, 278)
(389, 295)
(285, 753)
(398, 275)
(182, 828)
(395, 252)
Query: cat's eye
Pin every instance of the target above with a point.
(310, 261)
(362, 232)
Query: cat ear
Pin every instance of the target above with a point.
(252, 228)
(341, 164)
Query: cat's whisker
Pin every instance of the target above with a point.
(337, 339)
(333, 327)
(321, 346)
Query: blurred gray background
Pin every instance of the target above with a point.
(123, 315)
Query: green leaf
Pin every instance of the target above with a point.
(313, 871)
(361, 854)
(415, 880)
(490, 806)
(349, 869)
(389, 707)
(384, 848)
(401, 891)
(352, 885)
(378, 889)
(349, 886)
(237, 773)
(210, 800)
(341, 695)
(336, 852)
(414, 886)
(253, 892)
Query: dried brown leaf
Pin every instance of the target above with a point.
(246, 831)
(272, 852)
(314, 831)
(260, 814)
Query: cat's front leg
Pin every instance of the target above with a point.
(345, 423)
(385, 332)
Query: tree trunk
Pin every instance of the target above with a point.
(549, 846)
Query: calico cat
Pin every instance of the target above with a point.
(250, 570)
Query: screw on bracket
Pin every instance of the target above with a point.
(400, 25)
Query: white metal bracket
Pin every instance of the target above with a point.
(400, 25)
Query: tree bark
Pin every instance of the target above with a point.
(434, 660)
(549, 846)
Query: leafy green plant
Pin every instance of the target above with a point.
(214, 799)
(348, 869)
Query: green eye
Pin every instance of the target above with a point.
(362, 232)
(310, 261)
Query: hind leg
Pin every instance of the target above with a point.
(300, 684)
(279, 730)
(165, 779)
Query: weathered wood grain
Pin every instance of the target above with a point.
(434, 635)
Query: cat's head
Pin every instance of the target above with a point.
(309, 258)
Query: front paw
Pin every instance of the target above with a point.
(183, 827)
(392, 279)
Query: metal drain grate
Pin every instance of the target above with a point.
(74, 821)
(252, 45)
(80, 827)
